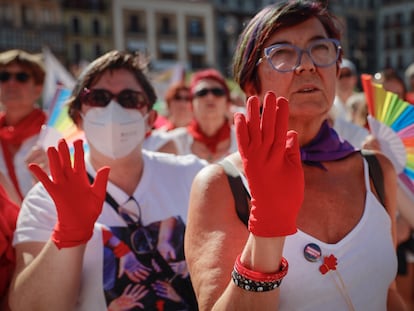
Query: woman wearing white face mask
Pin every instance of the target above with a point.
(129, 252)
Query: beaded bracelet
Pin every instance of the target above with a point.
(257, 281)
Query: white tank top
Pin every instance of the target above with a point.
(367, 264)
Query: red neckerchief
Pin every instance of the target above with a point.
(8, 212)
(211, 142)
(14, 136)
(168, 126)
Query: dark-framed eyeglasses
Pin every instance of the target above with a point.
(216, 91)
(101, 98)
(20, 76)
(286, 57)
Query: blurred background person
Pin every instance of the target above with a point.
(178, 102)
(209, 135)
(409, 81)
(357, 109)
(21, 84)
(346, 86)
(392, 82)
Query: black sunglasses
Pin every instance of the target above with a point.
(216, 91)
(101, 98)
(18, 76)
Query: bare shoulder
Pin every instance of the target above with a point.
(214, 234)
(211, 196)
(390, 181)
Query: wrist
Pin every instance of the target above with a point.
(263, 254)
(256, 281)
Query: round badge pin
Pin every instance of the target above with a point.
(312, 252)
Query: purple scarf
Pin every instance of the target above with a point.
(326, 146)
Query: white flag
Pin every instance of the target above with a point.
(56, 74)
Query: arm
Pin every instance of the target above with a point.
(47, 278)
(215, 236)
(394, 301)
(48, 274)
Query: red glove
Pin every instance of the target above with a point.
(272, 164)
(78, 203)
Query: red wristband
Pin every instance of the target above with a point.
(260, 276)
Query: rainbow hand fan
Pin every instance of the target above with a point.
(391, 121)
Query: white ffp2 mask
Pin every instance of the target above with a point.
(114, 131)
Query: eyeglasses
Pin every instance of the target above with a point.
(285, 57)
(101, 98)
(20, 76)
(216, 91)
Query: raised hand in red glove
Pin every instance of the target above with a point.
(272, 164)
(78, 203)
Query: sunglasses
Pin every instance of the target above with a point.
(101, 98)
(182, 98)
(18, 76)
(216, 91)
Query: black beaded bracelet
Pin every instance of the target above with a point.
(254, 286)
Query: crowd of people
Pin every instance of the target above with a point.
(279, 208)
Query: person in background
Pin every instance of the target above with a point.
(21, 83)
(346, 86)
(179, 115)
(391, 82)
(108, 233)
(179, 110)
(315, 236)
(209, 135)
(409, 81)
(339, 113)
(357, 109)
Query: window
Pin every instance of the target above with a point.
(77, 52)
(96, 27)
(399, 42)
(27, 15)
(133, 23)
(195, 28)
(165, 26)
(75, 25)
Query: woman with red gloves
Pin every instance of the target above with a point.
(107, 231)
(316, 236)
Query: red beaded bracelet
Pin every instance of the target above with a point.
(260, 276)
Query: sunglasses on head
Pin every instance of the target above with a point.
(216, 91)
(101, 98)
(18, 76)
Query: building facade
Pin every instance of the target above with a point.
(167, 31)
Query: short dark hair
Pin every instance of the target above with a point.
(270, 19)
(136, 63)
